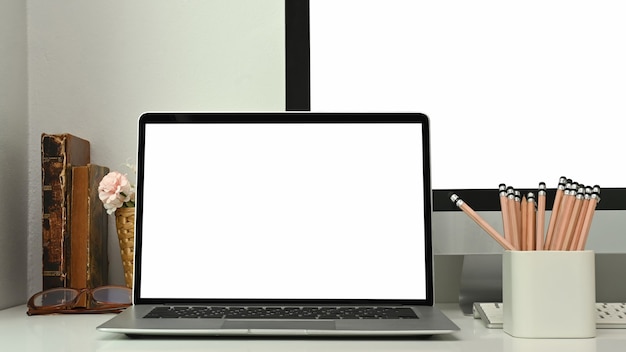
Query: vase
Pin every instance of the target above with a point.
(125, 225)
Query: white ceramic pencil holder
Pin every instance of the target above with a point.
(549, 294)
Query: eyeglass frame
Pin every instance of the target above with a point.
(71, 307)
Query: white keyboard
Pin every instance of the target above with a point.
(610, 315)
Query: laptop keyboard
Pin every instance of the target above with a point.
(282, 312)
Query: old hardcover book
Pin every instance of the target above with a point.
(59, 152)
(89, 226)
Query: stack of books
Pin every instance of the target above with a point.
(74, 222)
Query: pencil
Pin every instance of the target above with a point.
(593, 202)
(524, 224)
(510, 194)
(517, 210)
(541, 216)
(580, 222)
(506, 225)
(530, 222)
(481, 222)
(555, 212)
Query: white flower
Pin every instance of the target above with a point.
(115, 192)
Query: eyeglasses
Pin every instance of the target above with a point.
(104, 299)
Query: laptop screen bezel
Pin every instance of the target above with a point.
(282, 117)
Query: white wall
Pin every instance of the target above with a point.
(94, 67)
(13, 159)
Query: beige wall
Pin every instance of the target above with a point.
(13, 158)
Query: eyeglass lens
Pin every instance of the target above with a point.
(112, 295)
(55, 297)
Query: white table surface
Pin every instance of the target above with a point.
(19, 332)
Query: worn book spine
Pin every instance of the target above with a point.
(59, 152)
(89, 226)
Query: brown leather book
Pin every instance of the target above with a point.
(59, 152)
(89, 226)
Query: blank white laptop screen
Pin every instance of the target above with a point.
(283, 211)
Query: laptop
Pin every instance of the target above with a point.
(288, 223)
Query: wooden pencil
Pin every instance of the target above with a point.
(524, 224)
(555, 213)
(541, 216)
(580, 223)
(530, 222)
(510, 194)
(518, 217)
(481, 222)
(506, 221)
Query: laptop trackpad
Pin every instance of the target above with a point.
(282, 325)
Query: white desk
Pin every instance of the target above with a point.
(19, 332)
